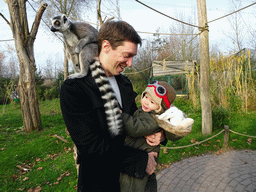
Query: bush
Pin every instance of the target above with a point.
(7, 85)
(220, 117)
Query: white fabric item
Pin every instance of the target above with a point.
(115, 88)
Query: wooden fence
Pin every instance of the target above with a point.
(163, 68)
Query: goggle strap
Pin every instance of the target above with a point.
(164, 98)
(166, 101)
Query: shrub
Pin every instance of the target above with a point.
(220, 117)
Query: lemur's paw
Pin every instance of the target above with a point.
(76, 75)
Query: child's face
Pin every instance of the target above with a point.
(148, 104)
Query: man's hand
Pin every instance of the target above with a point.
(151, 166)
(155, 139)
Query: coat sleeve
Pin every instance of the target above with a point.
(138, 126)
(82, 120)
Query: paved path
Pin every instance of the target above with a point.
(230, 171)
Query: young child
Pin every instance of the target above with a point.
(157, 97)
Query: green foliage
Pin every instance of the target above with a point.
(50, 90)
(7, 85)
(46, 156)
(47, 92)
(39, 78)
(220, 117)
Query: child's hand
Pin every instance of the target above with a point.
(120, 111)
(155, 139)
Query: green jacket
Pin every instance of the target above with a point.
(137, 126)
(142, 124)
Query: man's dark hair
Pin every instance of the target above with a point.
(116, 32)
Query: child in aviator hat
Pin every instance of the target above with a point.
(162, 93)
(157, 98)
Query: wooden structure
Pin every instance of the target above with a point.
(170, 70)
(163, 68)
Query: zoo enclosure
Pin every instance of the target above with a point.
(226, 131)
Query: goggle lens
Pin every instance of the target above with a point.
(160, 91)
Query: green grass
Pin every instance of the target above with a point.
(47, 158)
(238, 122)
(34, 150)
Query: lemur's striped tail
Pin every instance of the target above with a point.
(112, 110)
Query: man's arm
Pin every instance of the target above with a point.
(82, 121)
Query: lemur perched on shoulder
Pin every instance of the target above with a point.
(81, 43)
(82, 50)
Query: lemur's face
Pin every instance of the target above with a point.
(60, 24)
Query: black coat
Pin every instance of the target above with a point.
(101, 157)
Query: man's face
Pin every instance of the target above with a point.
(120, 58)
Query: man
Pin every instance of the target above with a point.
(101, 155)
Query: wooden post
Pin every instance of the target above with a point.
(226, 136)
(204, 69)
(169, 79)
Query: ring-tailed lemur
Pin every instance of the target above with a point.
(80, 39)
(81, 43)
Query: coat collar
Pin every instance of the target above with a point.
(127, 94)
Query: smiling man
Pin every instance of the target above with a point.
(102, 154)
(114, 61)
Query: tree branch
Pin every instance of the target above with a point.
(57, 7)
(5, 19)
(99, 13)
(36, 23)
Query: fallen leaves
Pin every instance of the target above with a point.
(39, 168)
(249, 141)
(67, 150)
(165, 151)
(2, 149)
(14, 177)
(219, 152)
(25, 179)
(53, 155)
(37, 189)
(193, 140)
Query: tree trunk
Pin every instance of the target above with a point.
(24, 44)
(204, 69)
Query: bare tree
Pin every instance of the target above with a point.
(237, 32)
(1, 63)
(24, 45)
(183, 45)
(143, 61)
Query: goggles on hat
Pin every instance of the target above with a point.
(160, 91)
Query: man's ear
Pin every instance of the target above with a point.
(106, 46)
